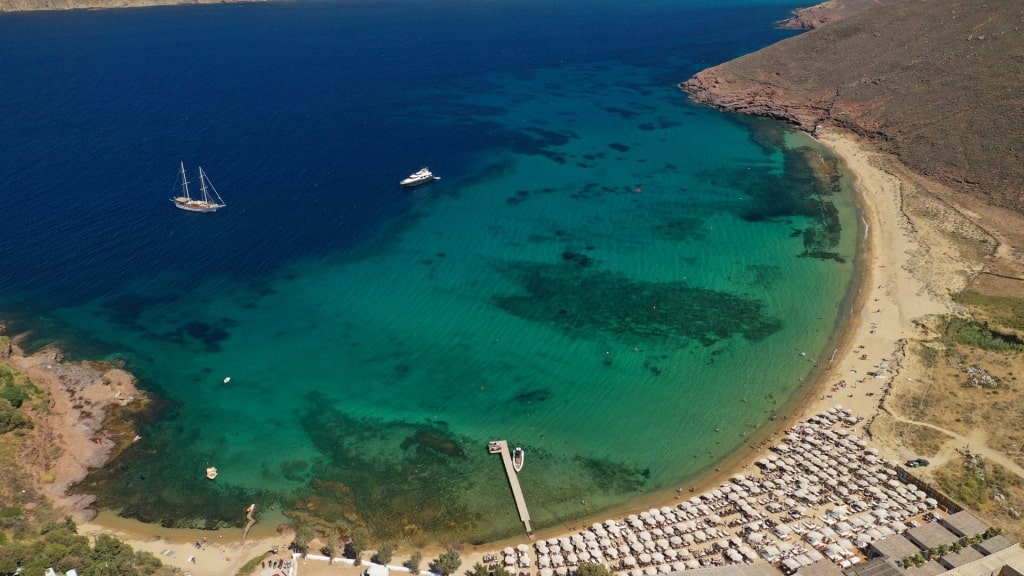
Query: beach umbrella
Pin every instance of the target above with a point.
(629, 561)
(644, 558)
(692, 564)
(543, 562)
(584, 556)
(561, 571)
(523, 548)
(671, 554)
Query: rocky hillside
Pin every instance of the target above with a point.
(828, 11)
(936, 82)
(26, 5)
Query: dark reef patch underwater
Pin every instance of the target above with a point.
(601, 271)
(670, 314)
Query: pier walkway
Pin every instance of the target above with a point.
(501, 447)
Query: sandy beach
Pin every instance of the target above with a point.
(866, 364)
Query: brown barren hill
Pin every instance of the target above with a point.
(829, 11)
(32, 5)
(938, 83)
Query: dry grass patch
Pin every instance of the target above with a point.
(923, 440)
(986, 488)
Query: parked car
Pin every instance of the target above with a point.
(916, 463)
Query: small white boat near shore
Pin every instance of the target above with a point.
(211, 472)
(518, 455)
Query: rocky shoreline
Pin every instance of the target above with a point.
(86, 422)
(828, 12)
(45, 5)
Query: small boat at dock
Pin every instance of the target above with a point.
(211, 472)
(518, 455)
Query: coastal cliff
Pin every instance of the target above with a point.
(935, 83)
(38, 5)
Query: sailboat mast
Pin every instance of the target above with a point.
(202, 185)
(184, 180)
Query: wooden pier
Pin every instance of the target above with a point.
(501, 447)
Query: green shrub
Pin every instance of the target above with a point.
(11, 418)
(10, 512)
(413, 563)
(384, 553)
(971, 333)
(447, 563)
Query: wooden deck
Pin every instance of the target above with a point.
(501, 447)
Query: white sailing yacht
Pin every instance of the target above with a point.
(210, 200)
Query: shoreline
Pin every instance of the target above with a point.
(878, 315)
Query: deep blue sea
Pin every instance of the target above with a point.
(612, 277)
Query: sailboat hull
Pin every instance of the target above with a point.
(194, 205)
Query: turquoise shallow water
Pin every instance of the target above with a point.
(615, 279)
